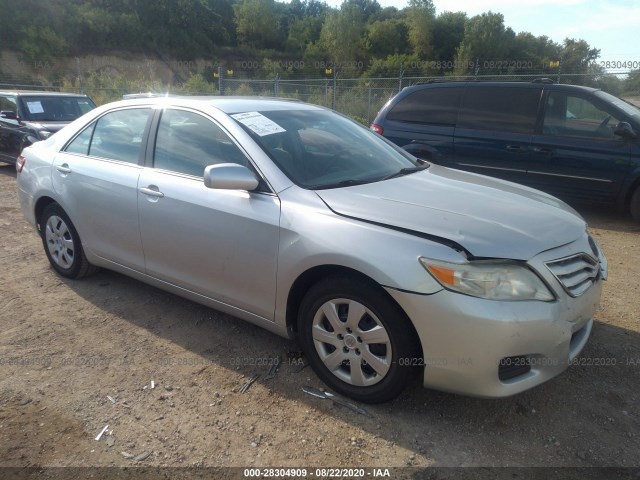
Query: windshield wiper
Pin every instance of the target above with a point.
(406, 171)
(344, 183)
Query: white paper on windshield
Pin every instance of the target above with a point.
(35, 107)
(258, 123)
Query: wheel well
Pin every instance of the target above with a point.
(307, 279)
(635, 186)
(41, 204)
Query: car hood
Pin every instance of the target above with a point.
(488, 217)
(49, 126)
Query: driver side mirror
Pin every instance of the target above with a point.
(625, 130)
(8, 114)
(230, 176)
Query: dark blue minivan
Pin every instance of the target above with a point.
(577, 143)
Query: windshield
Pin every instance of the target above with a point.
(40, 108)
(320, 149)
(623, 105)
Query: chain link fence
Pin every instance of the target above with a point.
(360, 98)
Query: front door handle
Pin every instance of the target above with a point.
(541, 150)
(64, 168)
(151, 192)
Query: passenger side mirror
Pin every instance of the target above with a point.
(625, 130)
(230, 176)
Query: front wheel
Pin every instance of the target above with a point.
(357, 339)
(62, 244)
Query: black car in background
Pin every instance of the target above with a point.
(27, 116)
(577, 143)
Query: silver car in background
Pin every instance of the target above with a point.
(303, 222)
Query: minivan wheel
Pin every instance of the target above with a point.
(62, 244)
(634, 206)
(356, 339)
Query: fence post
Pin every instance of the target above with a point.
(326, 93)
(369, 105)
(79, 76)
(559, 70)
(335, 83)
(400, 78)
(276, 84)
(220, 91)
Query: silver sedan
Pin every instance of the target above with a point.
(303, 222)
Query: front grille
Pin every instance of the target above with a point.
(575, 273)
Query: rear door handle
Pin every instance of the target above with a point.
(64, 168)
(151, 192)
(515, 148)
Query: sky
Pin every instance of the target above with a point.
(613, 26)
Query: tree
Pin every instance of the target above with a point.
(342, 34)
(632, 83)
(257, 24)
(485, 38)
(577, 56)
(387, 37)
(303, 32)
(420, 19)
(448, 32)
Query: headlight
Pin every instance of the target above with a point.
(493, 280)
(44, 134)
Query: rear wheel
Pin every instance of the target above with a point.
(62, 244)
(634, 206)
(357, 339)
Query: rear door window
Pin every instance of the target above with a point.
(118, 135)
(503, 109)
(432, 106)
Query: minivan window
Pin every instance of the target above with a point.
(574, 116)
(433, 106)
(499, 108)
(626, 107)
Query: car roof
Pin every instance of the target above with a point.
(493, 83)
(40, 93)
(228, 105)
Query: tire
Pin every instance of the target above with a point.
(62, 244)
(634, 206)
(336, 323)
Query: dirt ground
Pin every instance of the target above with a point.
(76, 356)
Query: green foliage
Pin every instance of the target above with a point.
(41, 43)
(197, 84)
(342, 35)
(632, 83)
(448, 32)
(486, 37)
(391, 66)
(420, 19)
(257, 24)
(302, 32)
(360, 38)
(387, 37)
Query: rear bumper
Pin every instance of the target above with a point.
(466, 339)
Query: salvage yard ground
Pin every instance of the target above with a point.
(76, 356)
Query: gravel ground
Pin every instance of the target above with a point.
(76, 356)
